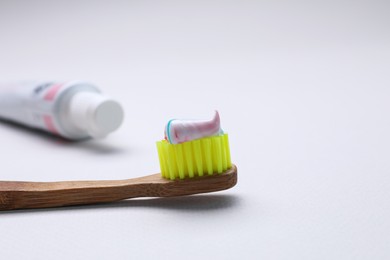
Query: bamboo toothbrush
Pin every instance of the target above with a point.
(189, 167)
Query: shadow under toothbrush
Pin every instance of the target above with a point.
(192, 203)
(88, 144)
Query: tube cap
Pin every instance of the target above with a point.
(95, 113)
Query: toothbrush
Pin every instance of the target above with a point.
(194, 158)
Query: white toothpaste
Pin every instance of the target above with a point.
(179, 131)
(74, 110)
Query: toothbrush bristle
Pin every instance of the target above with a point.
(206, 156)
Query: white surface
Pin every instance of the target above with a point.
(302, 89)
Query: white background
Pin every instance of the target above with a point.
(303, 91)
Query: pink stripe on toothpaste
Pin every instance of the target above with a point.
(49, 123)
(51, 93)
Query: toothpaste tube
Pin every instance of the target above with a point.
(74, 110)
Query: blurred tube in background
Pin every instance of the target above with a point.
(74, 110)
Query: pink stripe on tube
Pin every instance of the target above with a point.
(51, 93)
(49, 123)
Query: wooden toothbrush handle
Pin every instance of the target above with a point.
(24, 195)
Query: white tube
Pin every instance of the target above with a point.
(74, 110)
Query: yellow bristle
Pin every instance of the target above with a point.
(224, 154)
(206, 149)
(197, 155)
(180, 160)
(161, 158)
(172, 168)
(208, 156)
(189, 159)
(217, 159)
(226, 144)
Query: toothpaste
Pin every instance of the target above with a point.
(74, 110)
(180, 131)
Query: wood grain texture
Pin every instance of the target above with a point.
(25, 195)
